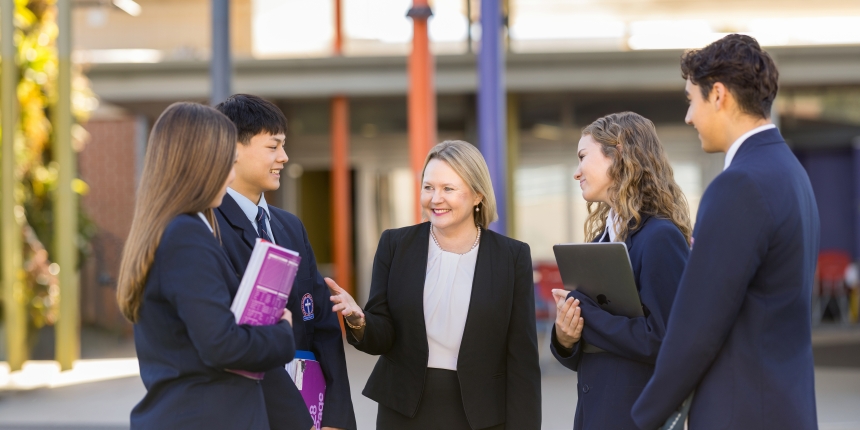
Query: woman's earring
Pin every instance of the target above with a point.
(477, 209)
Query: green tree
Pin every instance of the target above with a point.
(36, 172)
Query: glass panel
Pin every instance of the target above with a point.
(289, 28)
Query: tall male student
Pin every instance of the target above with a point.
(243, 217)
(739, 328)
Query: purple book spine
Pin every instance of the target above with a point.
(271, 291)
(313, 389)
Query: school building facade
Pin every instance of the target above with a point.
(552, 93)
(551, 97)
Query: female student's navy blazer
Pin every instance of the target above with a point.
(610, 382)
(186, 337)
(498, 360)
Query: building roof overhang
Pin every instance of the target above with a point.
(656, 70)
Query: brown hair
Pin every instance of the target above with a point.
(738, 62)
(642, 179)
(470, 165)
(189, 156)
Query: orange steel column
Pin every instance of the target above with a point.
(422, 94)
(338, 28)
(341, 199)
(340, 195)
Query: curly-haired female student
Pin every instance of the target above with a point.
(633, 198)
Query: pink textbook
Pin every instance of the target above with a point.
(265, 288)
(309, 379)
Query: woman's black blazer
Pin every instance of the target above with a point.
(498, 360)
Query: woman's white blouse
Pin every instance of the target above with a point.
(447, 293)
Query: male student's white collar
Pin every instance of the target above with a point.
(250, 209)
(730, 154)
(247, 206)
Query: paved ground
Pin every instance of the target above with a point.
(105, 405)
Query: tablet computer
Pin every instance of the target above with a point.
(602, 271)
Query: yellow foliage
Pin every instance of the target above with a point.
(35, 37)
(80, 187)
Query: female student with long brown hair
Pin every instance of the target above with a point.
(632, 198)
(176, 284)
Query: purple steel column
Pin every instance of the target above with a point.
(492, 106)
(856, 154)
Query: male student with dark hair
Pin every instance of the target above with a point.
(739, 332)
(243, 217)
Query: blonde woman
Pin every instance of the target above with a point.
(176, 285)
(451, 310)
(632, 198)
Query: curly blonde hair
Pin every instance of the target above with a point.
(642, 178)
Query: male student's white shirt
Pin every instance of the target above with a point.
(730, 154)
(250, 210)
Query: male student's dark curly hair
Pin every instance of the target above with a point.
(738, 62)
(253, 115)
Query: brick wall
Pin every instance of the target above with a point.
(107, 164)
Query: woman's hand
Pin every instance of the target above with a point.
(287, 316)
(568, 323)
(345, 304)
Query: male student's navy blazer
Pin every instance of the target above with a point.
(315, 327)
(609, 382)
(186, 337)
(739, 332)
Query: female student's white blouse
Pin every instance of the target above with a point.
(205, 221)
(447, 293)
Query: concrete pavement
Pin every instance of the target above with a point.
(105, 405)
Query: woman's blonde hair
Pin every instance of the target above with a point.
(190, 153)
(470, 165)
(642, 178)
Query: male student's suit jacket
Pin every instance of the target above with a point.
(739, 331)
(609, 382)
(186, 337)
(498, 359)
(320, 333)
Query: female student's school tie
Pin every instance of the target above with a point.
(262, 217)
